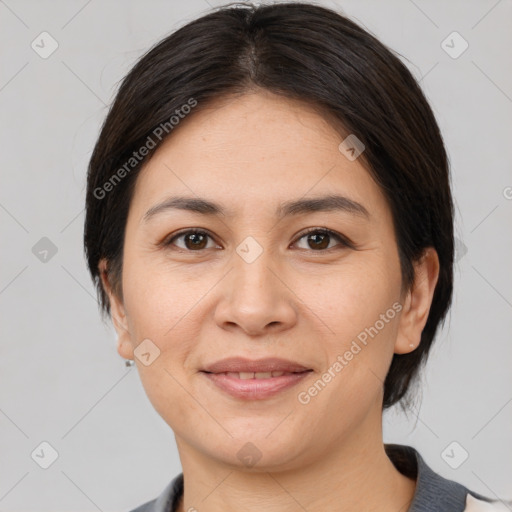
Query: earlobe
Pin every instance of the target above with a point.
(117, 313)
(417, 303)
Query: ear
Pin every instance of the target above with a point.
(117, 313)
(418, 300)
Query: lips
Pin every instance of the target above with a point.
(254, 375)
(257, 388)
(244, 367)
(261, 379)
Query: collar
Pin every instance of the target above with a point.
(433, 492)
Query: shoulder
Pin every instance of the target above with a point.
(145, 507)
(476, 505)
(168, 499)
(436, 493)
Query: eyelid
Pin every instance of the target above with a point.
(168, 240)
(343, 240)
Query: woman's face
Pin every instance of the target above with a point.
(255, 285)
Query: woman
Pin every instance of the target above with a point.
(270, 225)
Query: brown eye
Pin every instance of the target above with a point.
(316, 239)
(193, 240)
(320, 239)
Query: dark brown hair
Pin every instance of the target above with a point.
(304, 52)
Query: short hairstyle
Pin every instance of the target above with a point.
(299, 51)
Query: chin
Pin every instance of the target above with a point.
(257, 453)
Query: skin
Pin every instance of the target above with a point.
(295, 301)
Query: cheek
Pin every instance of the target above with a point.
(156, 298)
(362, 310)
(157, 303)
(353, 298)
(361, 307)
(162, 304)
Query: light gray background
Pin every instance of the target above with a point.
(62, 380)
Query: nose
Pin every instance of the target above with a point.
(255, 298)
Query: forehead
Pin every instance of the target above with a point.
(253, 150)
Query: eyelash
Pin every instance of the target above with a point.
(343, 241)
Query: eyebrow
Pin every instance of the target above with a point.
(288, 208)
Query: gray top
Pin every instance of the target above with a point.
(433, 492)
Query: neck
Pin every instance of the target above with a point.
(352, 474)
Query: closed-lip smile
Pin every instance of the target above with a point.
(255, 379)
(242, 364)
